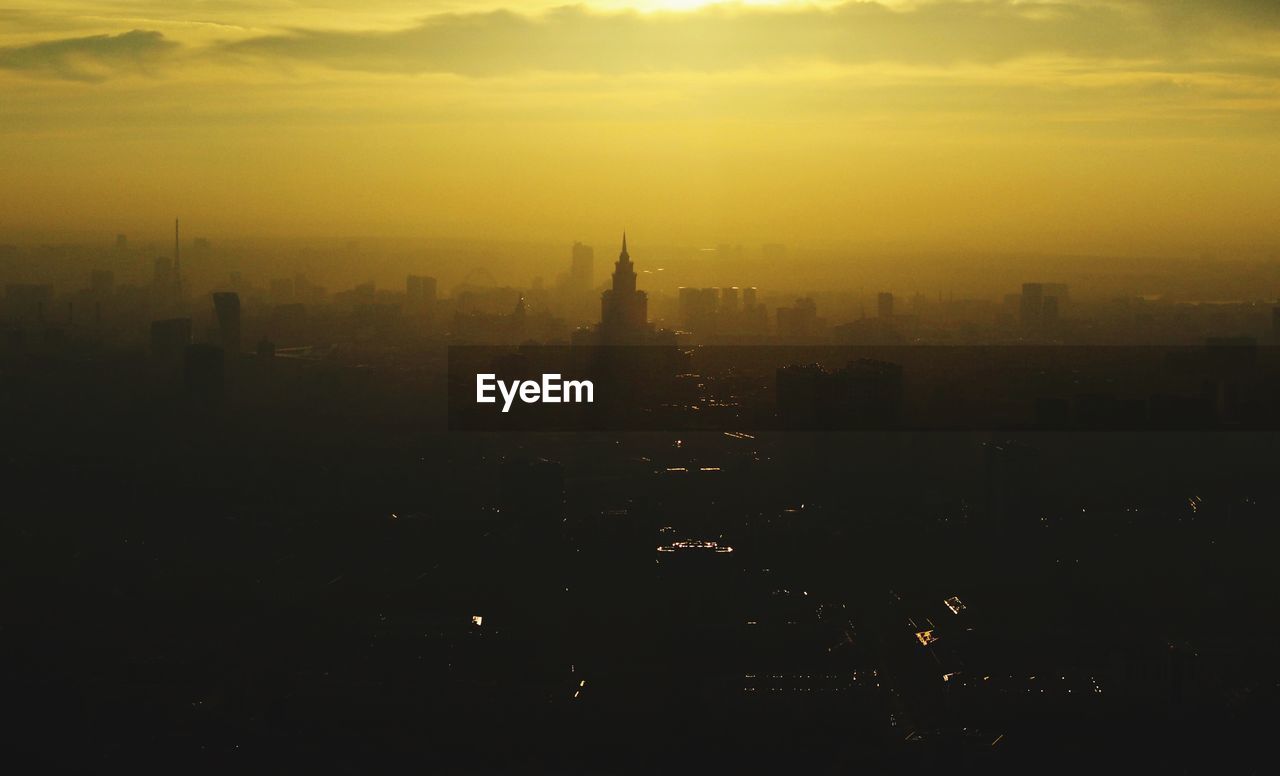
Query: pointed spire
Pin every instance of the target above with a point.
(624, 254)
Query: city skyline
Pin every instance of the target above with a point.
(640, 386)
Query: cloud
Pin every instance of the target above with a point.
(91, 58)
(729, 37)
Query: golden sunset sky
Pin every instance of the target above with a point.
(1101, 126)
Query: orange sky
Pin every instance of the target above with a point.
(1098, 126)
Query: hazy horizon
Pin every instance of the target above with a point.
(1078, 127)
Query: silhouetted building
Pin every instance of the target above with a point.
(420, 292)
(1058, 291)
(697, 309)
(800, 321)
(730, 301)
(226, 305)
(1041, 304)
(1049, 310)
(624, 310)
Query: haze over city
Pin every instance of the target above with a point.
(471, 386)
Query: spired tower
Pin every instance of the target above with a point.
(624, 311)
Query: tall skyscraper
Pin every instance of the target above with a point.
(730, 300)
(624, 311)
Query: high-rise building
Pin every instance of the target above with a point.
(1049, 310)
(1058, 291)
(730, 300)
(226, 305)
(420, 291)
(698, 309)
(800, 321)
(624, 310)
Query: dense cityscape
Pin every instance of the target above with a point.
(639, 386)
(245, 533)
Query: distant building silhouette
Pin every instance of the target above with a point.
(226, 305)
(624, 310)
(800, 321)
(697, 309)
(1040, 305)
(420, 293)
